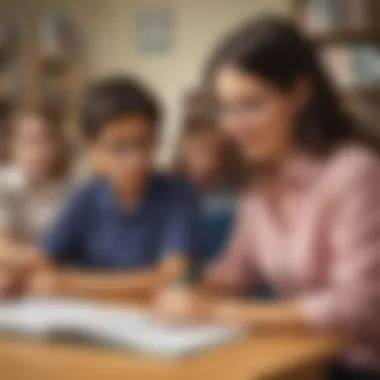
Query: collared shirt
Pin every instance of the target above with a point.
(26, 211)
(94, 232)
(321, 247)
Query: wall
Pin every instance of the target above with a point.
(108, 29)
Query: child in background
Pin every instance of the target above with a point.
(206, 158)
(130, 230)
(37, 180)
(34, 185)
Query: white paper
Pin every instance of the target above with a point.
(126, 328)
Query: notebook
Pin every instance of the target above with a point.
(127, 328)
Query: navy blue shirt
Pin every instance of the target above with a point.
(94, 232)
(217, 218)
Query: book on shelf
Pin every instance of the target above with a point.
(58, 35)
(357, 14)
(366, 60)
(337, 60)
(354, 65)
(323, 16)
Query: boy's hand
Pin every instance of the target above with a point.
(10, 284)
(179, 304)
(8, 256)
(6, 284)
(16, 257)
(45, 283)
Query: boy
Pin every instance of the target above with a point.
(130, 231)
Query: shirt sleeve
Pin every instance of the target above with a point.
(63, 240)
(351, 299)
(182, 233)
(237, 267)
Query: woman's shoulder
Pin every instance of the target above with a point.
(353, 160)
(351, 168)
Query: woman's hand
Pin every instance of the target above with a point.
(183, 305)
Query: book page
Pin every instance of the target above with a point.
(126, 328)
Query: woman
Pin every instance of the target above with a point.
(309, 223)
(34, 185)
(206, 158)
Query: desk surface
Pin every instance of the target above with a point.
(263, 356)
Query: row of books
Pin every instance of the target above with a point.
(353, 65)
(321, 16)
(9, 64)
(58, 35)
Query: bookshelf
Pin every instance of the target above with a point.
(337, 36)
(10, 78)
(57, 69)
(45, 69)
(57, 81)
(347, 35)
(9, 59)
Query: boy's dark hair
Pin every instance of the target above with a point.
(114, 97)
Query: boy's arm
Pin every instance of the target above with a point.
(116, 285)
(17, 262)
(20, 257)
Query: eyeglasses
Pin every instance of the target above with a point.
(242, 109)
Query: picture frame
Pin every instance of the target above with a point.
(154, 29)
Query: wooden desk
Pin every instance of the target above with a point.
(261, 357)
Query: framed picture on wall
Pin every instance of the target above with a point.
(154, 30)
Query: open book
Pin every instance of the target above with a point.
(126, 328)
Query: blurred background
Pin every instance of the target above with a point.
(50, 49)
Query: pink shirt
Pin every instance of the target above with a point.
(321, 247)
